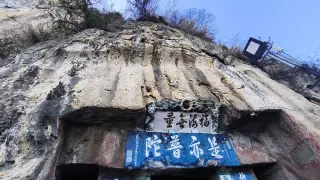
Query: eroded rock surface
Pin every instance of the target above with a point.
(26, 22)
(100, 76)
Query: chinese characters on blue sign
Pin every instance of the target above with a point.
(109, 178)
(154, 150)
(241, 175)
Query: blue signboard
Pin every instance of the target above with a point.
(159, 150)
(109, 178)
(241, 175)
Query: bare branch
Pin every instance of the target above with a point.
(170, 8)
(195, 22)
(142, 8)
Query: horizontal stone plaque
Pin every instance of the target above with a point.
(183, 116)
(186, 122)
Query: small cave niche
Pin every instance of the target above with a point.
(231, 120)
(274, 133)
(77, 172)
(266, 171)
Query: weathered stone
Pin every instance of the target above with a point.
(25, 3)
(303, 153)
(114, 66)
(250, 152)
(94, 145)
(297, 78)
(24, 23)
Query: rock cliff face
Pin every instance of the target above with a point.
(22, 20)
(25, 3)
(16, 14)
(97, 76)
(296, 78)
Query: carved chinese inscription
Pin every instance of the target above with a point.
(165, 121)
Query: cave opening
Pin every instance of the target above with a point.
(269, 132)
(172, 177)
(77, 172)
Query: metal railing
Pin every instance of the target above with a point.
(279, 55)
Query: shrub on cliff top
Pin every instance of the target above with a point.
(193, 21)
(109, 21)
(105, 19)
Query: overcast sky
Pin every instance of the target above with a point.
(293, 25)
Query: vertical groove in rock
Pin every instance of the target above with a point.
(203, 81)
(158, 75)
(221, 88)
(197, 80)
(188, 66)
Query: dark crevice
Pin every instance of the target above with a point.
(99, 115)
(218, 96)
(127, 55)
(77, 172)
(57, 92)
(250, 121)
(148, 89)
(115, 85)
(176, 61)
(213, 55)
(204, 84)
